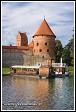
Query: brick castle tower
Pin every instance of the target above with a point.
(41, 49)
(44, 41)
(21, 39)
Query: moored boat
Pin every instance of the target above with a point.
(60, 69)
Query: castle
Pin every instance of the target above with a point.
(41, 48)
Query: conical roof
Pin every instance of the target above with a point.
(44, 29)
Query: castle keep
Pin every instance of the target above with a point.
(40, 49)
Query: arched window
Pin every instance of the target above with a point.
(40, 50)
(46, 44)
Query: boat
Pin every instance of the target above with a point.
(59, 75)
(60, 69)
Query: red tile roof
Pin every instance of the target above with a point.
(44, 29)
(31, 44)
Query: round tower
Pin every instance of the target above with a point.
(44, 41)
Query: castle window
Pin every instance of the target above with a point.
(40, 50)
(37, 44)
(46, 44)
(47, 50)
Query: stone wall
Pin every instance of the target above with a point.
(10, 59)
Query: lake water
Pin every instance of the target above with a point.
(31, 93)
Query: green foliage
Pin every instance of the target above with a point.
(71, 70)
(5, 70)
(58, 50)
(67, 53)
(66, 56)
(70, 47)
(72, 51)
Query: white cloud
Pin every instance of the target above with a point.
(28, 16)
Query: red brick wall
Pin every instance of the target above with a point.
(44, 72)
(46, 44)
(21, 40)
(17, 49)
(18, 40)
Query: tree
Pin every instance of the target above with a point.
(66, 56)
(58, 50)
(68, 52)
(72, 54)
(71, 50)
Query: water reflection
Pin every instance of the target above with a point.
(28, 93)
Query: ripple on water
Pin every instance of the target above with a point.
(27, 93)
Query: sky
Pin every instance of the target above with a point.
(28, 16)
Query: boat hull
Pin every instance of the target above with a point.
(59, 75)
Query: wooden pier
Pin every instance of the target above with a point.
(24, 70)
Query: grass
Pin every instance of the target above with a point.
(5, 70)
(71, 70)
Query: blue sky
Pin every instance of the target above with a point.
(27, 17)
